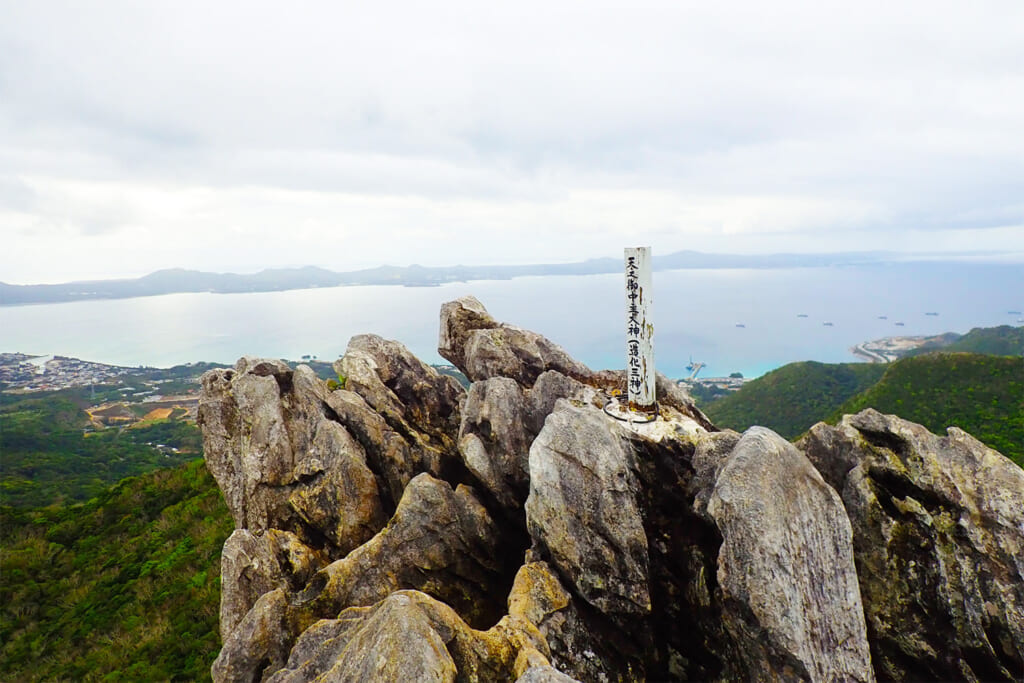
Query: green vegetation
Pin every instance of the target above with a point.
(124, 587)
(792, 398)
(981, 394)
(1004, 340)
(48, 457)
(706, 394)
(82, 397)
(184, 436)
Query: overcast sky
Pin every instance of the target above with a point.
(237, 136)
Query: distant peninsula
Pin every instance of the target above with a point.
(179, 280)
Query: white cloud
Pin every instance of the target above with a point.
(400, 132)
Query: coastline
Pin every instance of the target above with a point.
(888, 349)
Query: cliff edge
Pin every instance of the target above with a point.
(404, 528)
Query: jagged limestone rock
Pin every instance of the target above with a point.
(388, 454)
(482, 348)
(710, 454)
(661, 551)
(281, 461)
(785, 569)
(393, 641)
(581, 641)
(938, 525)
(550, 386)
(440, 541)
(254, 564)
(509, 351)
(415, 399)
(544, 674)
(405, 636)
(677, 472)
(259, 643)
(459, 319)
(582, 509)
(409, 636)
(493, 439)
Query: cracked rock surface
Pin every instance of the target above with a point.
(403, 528)
(938, 530)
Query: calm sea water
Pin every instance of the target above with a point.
(696, 315)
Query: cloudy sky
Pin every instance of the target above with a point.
(236, 136)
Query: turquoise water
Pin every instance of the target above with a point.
(696, 314)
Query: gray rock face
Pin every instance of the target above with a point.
(392, 641)
(544, 674)
(409, 636)
(482, 348)
(551, 386)
(401, 528)
(440, 541)
(579, 641)
(786, 568)
(459, 319)
(938, 526)
(413, 398)
(280, 459)
(509, 351)
(393, 459)
(254, 564)
(582, 509)
(493, 439)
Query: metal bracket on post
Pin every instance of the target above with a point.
(640, 377)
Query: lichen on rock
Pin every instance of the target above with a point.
(938, 526)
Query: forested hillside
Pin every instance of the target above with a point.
(1004, 340)
(125, 587)
(47, 457)
(792, 398)
(979, 393)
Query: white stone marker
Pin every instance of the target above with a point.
(639, 331)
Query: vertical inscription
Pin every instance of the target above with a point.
(640, 379)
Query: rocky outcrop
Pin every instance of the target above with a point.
(254, 564)
(281, 459)
(774, 512)
(582, 511)
(440, 541)
(402, 528)
(482, 348)
(409, 636)
(938, 528)
(493, 438)
(415, 401)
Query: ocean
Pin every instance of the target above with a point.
(734, 320)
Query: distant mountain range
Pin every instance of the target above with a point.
(178, 280)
